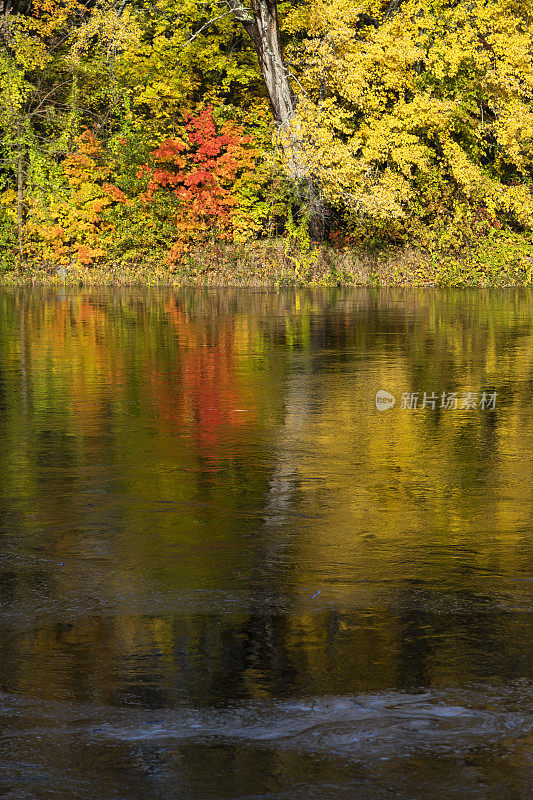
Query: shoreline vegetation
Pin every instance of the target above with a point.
(264, 142)
(271, 263)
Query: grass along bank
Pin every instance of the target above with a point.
(501, 259)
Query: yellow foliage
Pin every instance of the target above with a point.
(403, 99)
(112, 33)
(7, 197)
(31, 34)
(71, 225)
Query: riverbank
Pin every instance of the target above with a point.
(490, 262)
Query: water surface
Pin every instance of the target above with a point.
(224, 573)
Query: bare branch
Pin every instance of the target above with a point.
(241, 13)
(207, 24)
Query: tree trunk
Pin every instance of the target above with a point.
(261, 24)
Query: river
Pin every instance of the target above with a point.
(269, 545)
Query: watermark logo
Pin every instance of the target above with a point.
(448, 401)
(384, 400)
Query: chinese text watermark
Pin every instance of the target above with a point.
(448, 401)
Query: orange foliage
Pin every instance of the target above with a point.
(200, 173)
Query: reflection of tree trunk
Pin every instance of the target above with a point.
(282, 485)
(3, 403)
(282, 488)
(265, 631)
(414, 644)
(24, 379)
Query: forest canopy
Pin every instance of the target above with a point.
(134, 128)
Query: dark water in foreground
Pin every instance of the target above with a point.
(225, 574)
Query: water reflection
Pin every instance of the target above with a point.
(200, 504)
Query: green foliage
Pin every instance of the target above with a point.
(502, 258)
(299, 251)
(8, 240)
